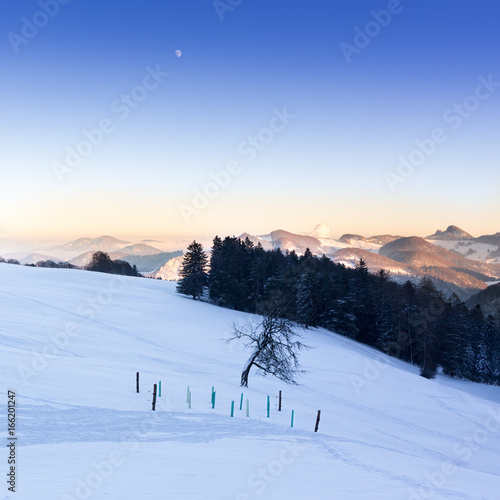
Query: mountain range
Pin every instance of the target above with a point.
(146, 257)
(457, 261)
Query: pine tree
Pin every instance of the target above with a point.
(194, 278)
(216, 273)
(491, 337)
(457, 356)
(406, 322)
(384, 319)
(361, 288)
(431, 305)
(308, 299)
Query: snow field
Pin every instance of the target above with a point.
(72, 342)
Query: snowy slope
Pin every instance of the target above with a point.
(471, 249)
(170, 270)
(72, 341)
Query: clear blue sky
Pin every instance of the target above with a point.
(356, 110)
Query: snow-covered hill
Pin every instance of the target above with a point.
(169, 271)
(33, 258)
(72, 342)
(472, 249)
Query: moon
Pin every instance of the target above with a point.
(178, 53)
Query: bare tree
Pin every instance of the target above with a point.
(274, 345)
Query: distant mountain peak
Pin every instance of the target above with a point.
(140, 249)
(321, 231)
(451, 233)
(104, 243)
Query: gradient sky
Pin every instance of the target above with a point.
(353, 119)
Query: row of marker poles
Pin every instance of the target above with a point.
(188, 401)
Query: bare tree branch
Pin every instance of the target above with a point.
(274, 345)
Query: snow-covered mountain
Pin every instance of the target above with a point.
(72, 342)
(485, 248)
(453, 233)
(319, 241)
(33, 258)
(458, 262)
(147, 258)
(169, 271)
(147, 264)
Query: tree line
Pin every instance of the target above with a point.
(100, 262)
(414, 322)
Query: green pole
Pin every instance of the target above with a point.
(241, 401)
(159, 389)
(268, 406)
(232, 408)
(248, 408)
(292, 418)
(187, 395)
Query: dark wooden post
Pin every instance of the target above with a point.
(137, 382)
(279, 403)
(154, 397)
(317, 421)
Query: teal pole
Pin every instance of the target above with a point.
(189, 399)
(292, 418)
(232, 408)
(159, 389)
(241, 401)
(268, 406)
(187, 395)
(213, 400)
